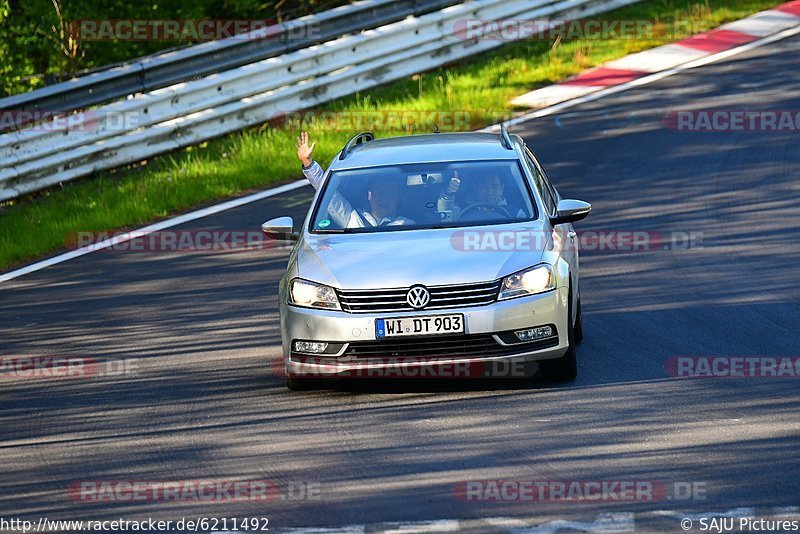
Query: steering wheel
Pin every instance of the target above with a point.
(488, 205)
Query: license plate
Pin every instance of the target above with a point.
(419, 326)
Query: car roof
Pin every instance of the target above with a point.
(425, 148)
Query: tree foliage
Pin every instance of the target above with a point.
(37, 46)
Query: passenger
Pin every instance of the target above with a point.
(382, 195)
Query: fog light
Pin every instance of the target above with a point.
(532, 334)
(310, 347)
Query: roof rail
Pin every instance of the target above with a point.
(505, 138)
(358, 139)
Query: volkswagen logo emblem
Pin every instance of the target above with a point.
(418, 297)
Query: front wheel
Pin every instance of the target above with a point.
(565, 368)
(578, 323)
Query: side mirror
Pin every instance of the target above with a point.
(569, 211)
(280, 229)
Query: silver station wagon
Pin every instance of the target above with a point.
(429, 252)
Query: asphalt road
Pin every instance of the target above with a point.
(199, 399)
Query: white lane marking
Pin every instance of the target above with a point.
(657, 59)
(763, 23)
(645, 79)
(553, 94)
(168, 223)
(349, 529)
(620, 522)
(508, 523)
(607, 523)
(288, 187)
(614, 523)
(444, 525)
(787, 512)
(735, 512)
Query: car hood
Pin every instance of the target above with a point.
(429, 257)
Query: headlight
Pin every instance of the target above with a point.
(311, 295)
(528, 282)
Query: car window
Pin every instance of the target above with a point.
(546, 180)
(541, 183)
(420, 195)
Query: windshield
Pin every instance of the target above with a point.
(423, 195)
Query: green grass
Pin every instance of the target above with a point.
(265, 156)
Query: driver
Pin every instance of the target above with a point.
(486, 191)
(382, 195)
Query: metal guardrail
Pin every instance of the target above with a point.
(164, 69)
(195, 111)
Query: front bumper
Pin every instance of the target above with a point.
(352, 330)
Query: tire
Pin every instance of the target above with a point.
(578, 333)
(565, 368)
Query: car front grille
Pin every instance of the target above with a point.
(442, 297)
(469, 346)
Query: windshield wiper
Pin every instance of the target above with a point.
(329, 231)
